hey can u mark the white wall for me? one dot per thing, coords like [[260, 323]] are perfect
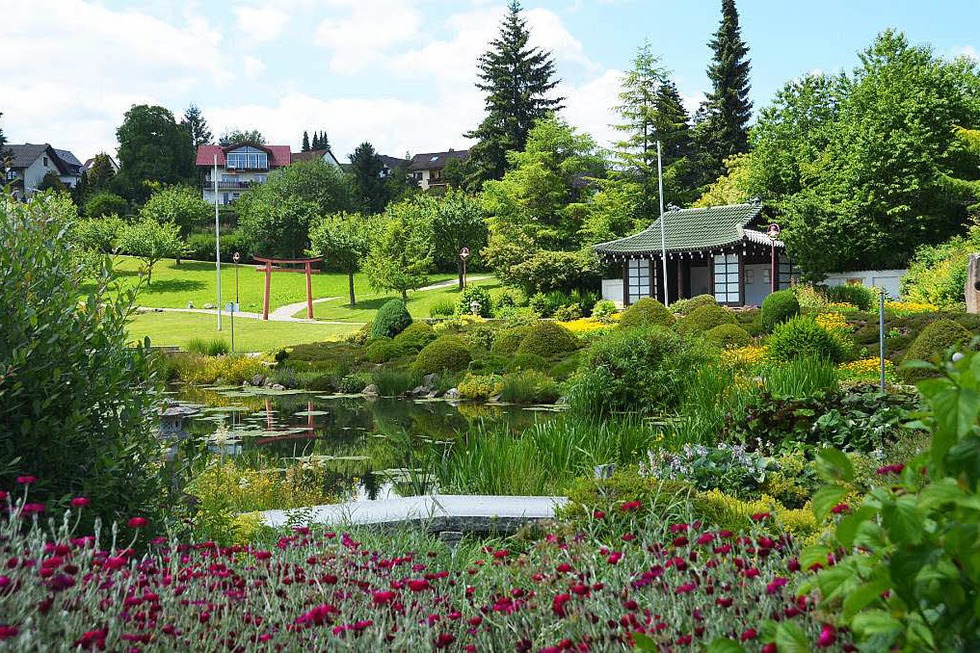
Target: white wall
[[612, 289], [890, 280], [758, 283]]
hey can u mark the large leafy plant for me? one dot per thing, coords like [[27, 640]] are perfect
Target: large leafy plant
[[910, 576]]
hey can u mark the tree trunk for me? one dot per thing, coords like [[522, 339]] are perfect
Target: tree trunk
[[404, 295], [459, 271], [350, 280]]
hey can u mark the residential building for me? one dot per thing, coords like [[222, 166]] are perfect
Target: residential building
[[324, 155], [239, 167], [391, 163], [427, 168], [29, 163], [731, 252], [90, 162]]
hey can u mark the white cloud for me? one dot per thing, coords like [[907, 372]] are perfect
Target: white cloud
[[253, 67], [261, 24], [366, 32], [590, 106], [968, 51], [71, 69]]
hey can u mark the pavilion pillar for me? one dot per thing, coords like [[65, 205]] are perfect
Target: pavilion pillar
[[626, 283], [268, 284], [682, 268], [741, 278]]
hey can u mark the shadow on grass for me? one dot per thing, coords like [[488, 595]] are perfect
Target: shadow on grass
[[173, 285]]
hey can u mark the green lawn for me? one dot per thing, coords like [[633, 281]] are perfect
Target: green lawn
[[419, 302], [177, 329], [194, 281]]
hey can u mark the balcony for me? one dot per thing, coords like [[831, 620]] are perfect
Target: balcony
[[228, 185]]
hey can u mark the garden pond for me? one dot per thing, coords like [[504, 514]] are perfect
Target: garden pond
[[369, 448]]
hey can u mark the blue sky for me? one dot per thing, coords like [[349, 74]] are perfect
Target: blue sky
[[398, 73]]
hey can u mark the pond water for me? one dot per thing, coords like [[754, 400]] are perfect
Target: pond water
[[371, 449]]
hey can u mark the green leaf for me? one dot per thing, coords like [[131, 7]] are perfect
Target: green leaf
[[825, 499], [875, 622], [834, 465], [724, 645], [643, 643], [848, 526], [790, 638], [902, 521], [816, 554], [941, 492], [863, 596]]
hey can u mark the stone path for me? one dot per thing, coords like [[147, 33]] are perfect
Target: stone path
[[438, 512]]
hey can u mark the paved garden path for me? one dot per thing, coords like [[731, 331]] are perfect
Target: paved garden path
[[439, 512]]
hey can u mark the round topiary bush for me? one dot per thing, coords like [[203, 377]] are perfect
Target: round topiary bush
[[478, 294], [802, 337], [729, 336], [705, 318], [646, 312], [527, 362], [508, 340], [447, 352], [686, 306], [779, 307], [547, 340], [930, 345], [391, 319], [853, 293], [415, 336], [381, 350]]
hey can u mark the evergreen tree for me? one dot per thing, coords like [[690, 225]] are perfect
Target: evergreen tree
[[4, 154], [153, 149], [369, 188], [198, 126], [672, 124], [306, 141], [517, 80], [723, 128]]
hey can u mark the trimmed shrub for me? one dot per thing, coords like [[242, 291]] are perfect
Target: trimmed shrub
[[471, 294], [646, 369], [931, 344], [853, 293], [729, 336], [646, 312], [529, 387], [527, 362], [603, 310], [482, 336], [415, 336], [508, 340], [391, 319], [705, 318], [685, 306], [509, 298], [802, 337], [480, 387], [568, 313], [547, 340], [381, 350], [447, 352], [492, 364], [779, 307]]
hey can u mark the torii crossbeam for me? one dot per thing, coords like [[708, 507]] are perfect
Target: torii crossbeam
[[268, 269]]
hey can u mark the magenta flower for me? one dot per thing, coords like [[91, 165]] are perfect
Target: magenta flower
[[629, 506], [383, 597], [558, 604], [7, 632], [761, 516], [840, 508], [79, 502], [26, 480], [615, 557], [32, 508], [775, 584], [749, 633], [138, 522], [3, 495], [419, 585], [685, 588], [262, 555], [827, 637]]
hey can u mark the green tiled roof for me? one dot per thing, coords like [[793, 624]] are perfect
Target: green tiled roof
[[691, 230]]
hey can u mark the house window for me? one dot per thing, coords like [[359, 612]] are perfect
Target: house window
[[45, 162], [726, 279], [247, 158], [639, 279]]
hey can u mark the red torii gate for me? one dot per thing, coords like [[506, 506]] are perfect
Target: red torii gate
[[307, 267]]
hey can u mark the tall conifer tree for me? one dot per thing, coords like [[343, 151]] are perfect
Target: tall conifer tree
[[198, 126], [306, 141], [723, 130], [517, 80]]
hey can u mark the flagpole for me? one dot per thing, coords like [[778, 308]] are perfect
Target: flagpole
[[217, 239], [663, 235]]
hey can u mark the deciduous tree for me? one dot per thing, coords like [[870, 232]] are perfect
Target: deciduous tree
[[181, 205], [153, 149], [238, 136], [401, 253], [343, 240], [151, 241]]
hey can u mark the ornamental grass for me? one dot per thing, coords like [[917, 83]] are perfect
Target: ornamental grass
[[676, 587]]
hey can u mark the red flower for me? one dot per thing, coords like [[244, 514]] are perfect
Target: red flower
[[93, 639], [419, 585], [114, 562], [748, 634], [827, 637], [770, 648], [138, 522], [262, 555], [615, 557], [500, 554], [628, 506], [706, 538], [3, 495], [444, 640], [6, 632], [32, 508], [558, 604], [564, 568], [760, 516], [598, 514], [891, 469], [79, 502], [383, 597], [775, 584], [685, 588], [317, 616], [26, 480], [839, 508], [723, 601], [628, 537]]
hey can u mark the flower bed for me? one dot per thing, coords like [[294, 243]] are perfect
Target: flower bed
[[685, 586]]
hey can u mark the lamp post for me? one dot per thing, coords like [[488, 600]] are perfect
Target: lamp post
[[463, 255], [773, 233], [236, 258], [217, 239]]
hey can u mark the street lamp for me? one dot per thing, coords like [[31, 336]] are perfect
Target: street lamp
[[236, 257], [773, 233]]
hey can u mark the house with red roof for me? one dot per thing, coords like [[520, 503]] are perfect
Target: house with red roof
[[238, 167]]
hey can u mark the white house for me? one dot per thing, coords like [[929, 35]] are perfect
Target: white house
[[29, 163], [427, 168], [239, 167]]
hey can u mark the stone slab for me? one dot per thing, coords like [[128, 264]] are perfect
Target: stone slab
[[437, 512]]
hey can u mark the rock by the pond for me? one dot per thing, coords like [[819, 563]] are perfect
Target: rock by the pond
[[278, 386], [258, 380], [371, 390], [430, 380], [419, 391], [451, 393]]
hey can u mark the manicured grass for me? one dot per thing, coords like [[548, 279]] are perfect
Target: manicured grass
[[174, 286], [177, 329], [368, 302]]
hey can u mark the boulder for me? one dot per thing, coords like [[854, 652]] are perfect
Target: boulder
[[370, 391], [258, 380], [419, 391], [278, 386], [451, 393], [430, 380]]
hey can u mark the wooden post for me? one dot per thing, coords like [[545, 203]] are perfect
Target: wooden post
[[741, 278], [626, 282], [309, 293], [268, 283]]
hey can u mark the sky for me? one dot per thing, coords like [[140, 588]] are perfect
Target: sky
[[399, 73]]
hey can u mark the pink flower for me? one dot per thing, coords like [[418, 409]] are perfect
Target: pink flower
[[32, 508], [827, 637], [79, 502], [775, 584], [383, 597], [6, 632], [26, 480], [138, 522], [748, 634], [629, 506], [760, 516], [840, 508], [615, 557], [558, 604]]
